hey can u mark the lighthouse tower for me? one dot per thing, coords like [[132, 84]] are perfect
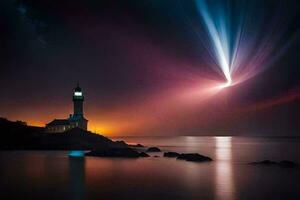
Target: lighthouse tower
[[78, 99], [77, 119]]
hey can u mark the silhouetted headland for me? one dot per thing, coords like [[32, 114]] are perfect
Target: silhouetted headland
[[19, 136]]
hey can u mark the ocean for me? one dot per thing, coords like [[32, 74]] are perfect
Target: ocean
[[53, 175]]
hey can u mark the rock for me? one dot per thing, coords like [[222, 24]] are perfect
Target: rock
[[153, 149], [143, 154], [264, 162], [136, 145], [287, 164], [283, 163], [171, 154], [195, 157], [156, 156], [115, 152], [121, 142]]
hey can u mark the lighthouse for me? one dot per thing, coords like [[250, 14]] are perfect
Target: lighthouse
[[78, 99], [76, 119]]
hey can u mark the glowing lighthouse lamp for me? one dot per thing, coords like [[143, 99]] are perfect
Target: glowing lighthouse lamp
[[78, 94]]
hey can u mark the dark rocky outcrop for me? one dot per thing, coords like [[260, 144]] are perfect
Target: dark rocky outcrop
[[120, 142], [136, 145], [153, 149], [195, 157], [283, 163], [171, 154], [264, 162], [287, 164], [19, 136], [117, 152]]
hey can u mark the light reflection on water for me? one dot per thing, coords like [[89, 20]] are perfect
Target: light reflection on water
[[223, 169], [60, 177], [76, 178]]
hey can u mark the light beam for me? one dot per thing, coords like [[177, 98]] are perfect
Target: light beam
[[218, 30], [234, 40]]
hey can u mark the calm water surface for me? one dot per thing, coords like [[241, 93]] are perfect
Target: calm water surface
[[52, 175]]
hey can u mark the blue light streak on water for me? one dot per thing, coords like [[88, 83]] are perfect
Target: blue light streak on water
[[76, 153]]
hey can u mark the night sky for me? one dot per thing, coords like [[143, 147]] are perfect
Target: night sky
[[145, 67]]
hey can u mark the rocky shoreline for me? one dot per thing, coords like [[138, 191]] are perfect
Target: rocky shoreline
[[19, 136], [131, 153]]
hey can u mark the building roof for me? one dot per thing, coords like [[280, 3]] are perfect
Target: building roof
[[59, 122], [73, 118]]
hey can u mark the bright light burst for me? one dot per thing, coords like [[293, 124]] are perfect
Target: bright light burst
[[218, 29], [234, 40]]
